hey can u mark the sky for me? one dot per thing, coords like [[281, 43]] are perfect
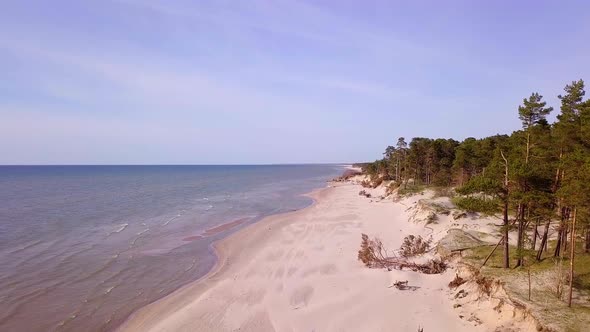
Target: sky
[[257, 82]]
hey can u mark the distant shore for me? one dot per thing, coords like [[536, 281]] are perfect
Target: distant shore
[[299, 271]]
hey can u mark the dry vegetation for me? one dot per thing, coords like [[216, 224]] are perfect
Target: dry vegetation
[[391, 188], [458, 281], [374, 255], [485, 284], [372, 184], [414, 245]]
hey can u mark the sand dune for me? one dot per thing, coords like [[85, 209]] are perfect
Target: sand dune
[[299, 272]]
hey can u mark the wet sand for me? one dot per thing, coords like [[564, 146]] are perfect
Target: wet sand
[[216, 230], [224, 227]]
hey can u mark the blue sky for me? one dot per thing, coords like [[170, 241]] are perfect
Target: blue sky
[[225, 82]]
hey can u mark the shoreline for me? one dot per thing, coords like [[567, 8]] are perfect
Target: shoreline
[[220, 249], [102, 265], [298, 271]]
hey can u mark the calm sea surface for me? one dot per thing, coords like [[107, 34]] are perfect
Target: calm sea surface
[[82, 247]]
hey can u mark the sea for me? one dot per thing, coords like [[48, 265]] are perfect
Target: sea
[[82, 247]]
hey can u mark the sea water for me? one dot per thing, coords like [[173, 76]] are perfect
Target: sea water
[[82, 247]]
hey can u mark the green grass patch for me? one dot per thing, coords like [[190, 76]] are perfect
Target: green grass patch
[[544, 305], [476, 256], [443, 191], [410, 189]]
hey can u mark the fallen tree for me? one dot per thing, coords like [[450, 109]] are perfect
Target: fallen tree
[[414, 245], [374, 255]]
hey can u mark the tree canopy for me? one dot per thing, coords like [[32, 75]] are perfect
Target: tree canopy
[[534, 176]]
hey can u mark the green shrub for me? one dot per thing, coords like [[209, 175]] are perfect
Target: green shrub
[[410, 190], [473, 204]]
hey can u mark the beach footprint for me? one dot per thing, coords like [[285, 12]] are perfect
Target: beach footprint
[[301, 296], [275, 255]]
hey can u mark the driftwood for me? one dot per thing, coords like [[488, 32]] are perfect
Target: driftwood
[[364, 193], [400, 284], [403, 285]]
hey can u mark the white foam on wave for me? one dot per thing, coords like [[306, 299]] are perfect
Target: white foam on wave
[[169, 220], [67, 320], [25, 247], [118, 230], [121, 228], [190, 267], [138, 237]]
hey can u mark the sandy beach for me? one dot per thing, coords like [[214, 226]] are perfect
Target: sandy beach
[[299, 272]]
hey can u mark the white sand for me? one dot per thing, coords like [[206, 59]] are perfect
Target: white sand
[[299, 272]]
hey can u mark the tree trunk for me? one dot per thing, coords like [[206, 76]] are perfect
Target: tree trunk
[[528, 144], [572, 252], [397, 169], [558, 243], [561, 233], [506, 242], [587, 245], [535, 234], [492, 252], [544, 239], [546, 247], [566, 231], [520, 239], [557, 174], [505, 212]]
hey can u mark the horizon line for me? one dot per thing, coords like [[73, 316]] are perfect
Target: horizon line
[[261, 164]]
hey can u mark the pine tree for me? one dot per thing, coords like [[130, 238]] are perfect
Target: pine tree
[[490, 193], [537, 175], [567, 131], [531, 113], [402, 146]]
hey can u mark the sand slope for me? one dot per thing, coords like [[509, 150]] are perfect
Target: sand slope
[[299, 272]]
